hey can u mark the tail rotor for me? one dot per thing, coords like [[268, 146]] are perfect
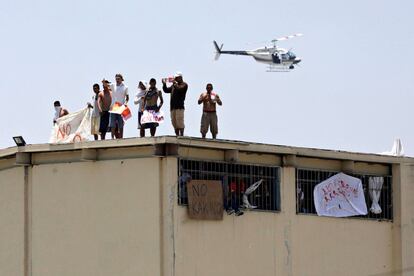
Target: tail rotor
[[218, 50]]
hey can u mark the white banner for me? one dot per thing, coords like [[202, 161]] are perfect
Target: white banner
[[150, 116], [340, 196], [74, 127]]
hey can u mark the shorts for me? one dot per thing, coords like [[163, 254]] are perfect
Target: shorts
[[139, 119], [115, 120], [177, 118], [209, 119], [95, 125], [103, 126]]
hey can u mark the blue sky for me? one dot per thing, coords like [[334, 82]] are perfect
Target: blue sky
[[353, 91]]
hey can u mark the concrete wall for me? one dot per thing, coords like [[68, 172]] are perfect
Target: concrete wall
[[96, 218], [407, 219], [12, 222]]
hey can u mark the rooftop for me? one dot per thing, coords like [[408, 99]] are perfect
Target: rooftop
[[185, 141]]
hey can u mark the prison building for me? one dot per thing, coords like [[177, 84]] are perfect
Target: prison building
[[121, 207]]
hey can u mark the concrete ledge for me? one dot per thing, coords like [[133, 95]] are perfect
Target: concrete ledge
[[166, 149], [231, 155], [89, 154], [23, 158], [348, 166], [289, 160]]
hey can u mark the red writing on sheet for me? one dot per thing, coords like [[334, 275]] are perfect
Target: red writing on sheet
[[77, 138], [63, 131], [338, 188]]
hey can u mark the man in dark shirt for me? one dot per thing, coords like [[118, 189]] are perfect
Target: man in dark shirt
[[178, 91]]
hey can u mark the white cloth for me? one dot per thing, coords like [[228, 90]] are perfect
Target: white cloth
[[139, 95], [95, 112], [57, 112], [150, 116], [74, 127], [340, 196], [119, 93], [397, 149], [251, 189], [375, 186]]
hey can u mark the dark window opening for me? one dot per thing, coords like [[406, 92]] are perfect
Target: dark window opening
[[307, 179], [236, 180]]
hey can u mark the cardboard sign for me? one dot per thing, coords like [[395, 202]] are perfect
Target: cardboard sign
[[205, 199]]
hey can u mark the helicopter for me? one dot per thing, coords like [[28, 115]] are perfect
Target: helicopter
[[278, 59]]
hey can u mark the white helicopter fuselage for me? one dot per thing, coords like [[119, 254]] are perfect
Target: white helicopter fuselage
[[267, 55], [274, 56]]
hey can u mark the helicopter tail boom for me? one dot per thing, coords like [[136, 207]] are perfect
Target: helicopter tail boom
[[219, 51]]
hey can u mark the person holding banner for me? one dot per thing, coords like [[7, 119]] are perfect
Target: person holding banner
[[119, 95], [139, 99], [209, 117], [150, 106], [104, 105], [59, 111]]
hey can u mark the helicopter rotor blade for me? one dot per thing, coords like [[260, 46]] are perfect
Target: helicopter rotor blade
[[286, 37]]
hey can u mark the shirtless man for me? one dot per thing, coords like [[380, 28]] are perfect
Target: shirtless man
[[104, 105], [60, 112], [150, 102], [209, 117]]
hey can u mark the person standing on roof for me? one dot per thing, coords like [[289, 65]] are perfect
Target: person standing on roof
[[138, 100], [178, 91], [104, 105], [119, 95], [150, 103], [209, 117], [96, 117]]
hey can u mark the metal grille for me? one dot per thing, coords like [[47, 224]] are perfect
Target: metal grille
[[307, 179], [236, 178]]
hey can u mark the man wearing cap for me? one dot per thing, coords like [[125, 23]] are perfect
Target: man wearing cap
[[209, 117], [178, 91], [104, 105], [120, 95]]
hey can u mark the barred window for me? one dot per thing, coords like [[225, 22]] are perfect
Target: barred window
[[307, 179], [237, 180]]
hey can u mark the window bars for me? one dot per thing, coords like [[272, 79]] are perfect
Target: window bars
[[307, 179], [238, 180]]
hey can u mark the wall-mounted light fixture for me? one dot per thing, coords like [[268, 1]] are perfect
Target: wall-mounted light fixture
[[20, 142]]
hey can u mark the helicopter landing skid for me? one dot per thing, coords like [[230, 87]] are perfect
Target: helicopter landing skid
[[273, 68]]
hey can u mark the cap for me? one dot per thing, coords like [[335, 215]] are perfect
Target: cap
[[106, 81], [178, 74]]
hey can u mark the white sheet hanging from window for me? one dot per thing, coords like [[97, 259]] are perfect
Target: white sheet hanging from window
[[251, 189], [340, 196], [375, 186]]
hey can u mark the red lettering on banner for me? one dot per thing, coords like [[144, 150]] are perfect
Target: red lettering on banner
[[63, 131], [77, 138], [339, 188]]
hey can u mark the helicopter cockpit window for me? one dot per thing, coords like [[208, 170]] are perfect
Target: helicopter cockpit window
[[292, 55], [285, 56]]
